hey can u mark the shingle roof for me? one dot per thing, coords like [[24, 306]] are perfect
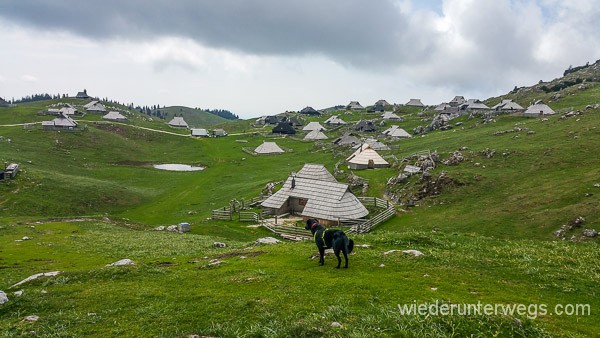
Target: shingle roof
[[415, 103], [178, 121], [315, 135], [316, 172], [508, 105], [325, 199], [364, 154], [199, 132], [94, 106], [396, 131], [334, 120], [346, 139], [313, 126], [61, 121], [114, 115], [268, 148], [539, 108], [390, 116], [354, 105]]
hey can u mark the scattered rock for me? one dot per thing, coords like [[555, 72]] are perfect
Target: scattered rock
[[433, 289], [173, 228], [32, 318], [389, 252], [362, 246], [36, 276], [336, 324], [382, 265], [415, 253], [3, 297], [18, 293], [25, 238], [122, 262], [597, 185], [160, 228], [267, 240], [576, 223], [455, 158], [219, 245], [589, 233], [214, 262]]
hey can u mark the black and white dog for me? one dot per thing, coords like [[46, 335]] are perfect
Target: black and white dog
[[327, 239]]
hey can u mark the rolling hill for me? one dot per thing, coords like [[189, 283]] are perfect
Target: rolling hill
[[485, 225]]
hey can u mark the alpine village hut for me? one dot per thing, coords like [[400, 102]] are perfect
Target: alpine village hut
[[178, 122], [508, 106], [539, 108], [268, 148], [335, 121], [310, 111], [375, 145], [67, 110], [284, 128], [457, 101], [62, 122], [114, 116], [474, 105], [414, 103], [83, 95], [199, 132], [354, 105], [95, 107], [315, 135], [366, 158], [396, 131], [313, 192], [313, 126], [365, 126], [388, 115], [346, 140]]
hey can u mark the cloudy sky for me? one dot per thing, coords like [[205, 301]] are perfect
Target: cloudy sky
[[257, 57]]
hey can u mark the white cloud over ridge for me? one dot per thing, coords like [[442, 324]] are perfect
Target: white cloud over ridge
[[267, 56]]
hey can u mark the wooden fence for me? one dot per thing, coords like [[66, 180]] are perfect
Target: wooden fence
[[248, 216], [222, 214]]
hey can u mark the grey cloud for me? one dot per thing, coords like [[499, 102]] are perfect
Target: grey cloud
[[350, 31]]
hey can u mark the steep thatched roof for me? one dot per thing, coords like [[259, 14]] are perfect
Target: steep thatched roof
[[364, 157], [335, 120], [178, 122], [415, 103], [268, 148], [284, 128], [315, 135], [365, 126], [508, 105], [396, 131], [114, 116], [310, 111], [322, 196], [354, 105], [346, 140], [388, 115], [539, 108], [313, 126]]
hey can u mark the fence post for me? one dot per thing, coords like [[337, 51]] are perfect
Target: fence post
[[275, 219], [375, 201]]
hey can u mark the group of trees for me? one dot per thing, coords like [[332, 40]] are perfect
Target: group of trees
[[226, 114], [39, 97]]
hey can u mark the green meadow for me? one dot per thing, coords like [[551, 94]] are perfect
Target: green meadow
[[89, 198]]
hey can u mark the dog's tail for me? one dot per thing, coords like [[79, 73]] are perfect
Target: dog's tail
[[350, 245]]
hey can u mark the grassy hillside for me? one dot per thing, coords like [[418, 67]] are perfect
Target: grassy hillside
[[486, 228], [195, 118]]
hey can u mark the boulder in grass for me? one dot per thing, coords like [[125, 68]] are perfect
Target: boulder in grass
[[3, 297], [415, 253], [122, 262], [267, 240]]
